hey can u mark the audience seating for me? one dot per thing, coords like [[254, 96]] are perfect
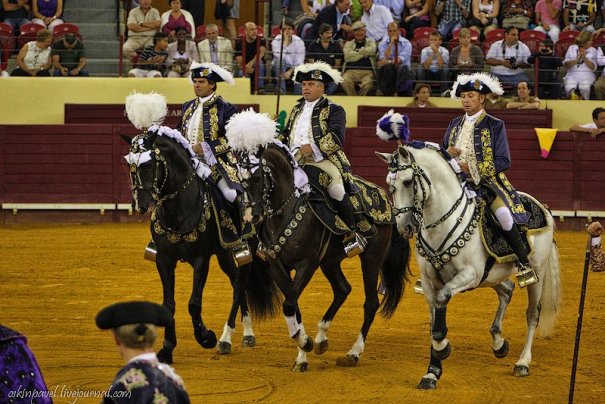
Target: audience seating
[[455, 42], [241, 31], [275, 31], [474, 34], [62, 30], [7, 44], [28, 33], [532, 39], [419, 41], [200, 33], [490, 38], [441, 117], [564, 42], [599, 40]]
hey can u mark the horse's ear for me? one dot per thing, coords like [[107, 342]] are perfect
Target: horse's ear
[[127, 139], [386, 157], [403, 152]]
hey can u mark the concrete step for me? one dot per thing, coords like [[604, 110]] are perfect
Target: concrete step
[[99, 31], [102, 67], [101, 49], [87, 4], [97, 15]]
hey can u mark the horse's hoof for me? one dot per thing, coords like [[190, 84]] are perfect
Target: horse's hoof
[[165, 355], [300, 367], [249, 341], [427, 383], [321, 347], [224, 348], [502, 352], [443, 354], [206, 338], [309, 344], [521, 371], [348, 361]]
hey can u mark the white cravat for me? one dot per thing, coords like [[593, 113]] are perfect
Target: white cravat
[[466, 143], [302, 127], [196, 120]]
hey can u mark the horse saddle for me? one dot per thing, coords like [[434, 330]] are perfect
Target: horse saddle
[[370, 203], [491, 232]]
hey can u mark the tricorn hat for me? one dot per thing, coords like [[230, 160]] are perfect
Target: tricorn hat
[[135, 312], [318, 71], [483, 83], [211, 71]]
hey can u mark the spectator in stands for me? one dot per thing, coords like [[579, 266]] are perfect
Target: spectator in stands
[[508, 57], [20, 370], [376, 19], [325, 49], [394, 63], [228, 14], [47, 13], [255, 45], [143, 23], [216, 49], [517, 13], [581, 63], [69, 57], [466, 57], [599, 85], [596, 127], [143, 379], [547, 18], [293, 55], [417, 14], [485, 16], [422, 93], [152, 61], [176, 17], [434, 61], [523, 100], [181, 54], [597, 256], [394, 6], [360, 62], [197, 10], [579, 15], [549, 86], [34, 57], [337, 15], [452, 15], [311, 8], [495, 101], [16, 12]]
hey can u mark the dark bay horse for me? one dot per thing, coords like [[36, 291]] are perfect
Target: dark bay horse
[[296, 240], [184, 227]]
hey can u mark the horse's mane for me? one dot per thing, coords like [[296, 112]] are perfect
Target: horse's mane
[[420, 149]]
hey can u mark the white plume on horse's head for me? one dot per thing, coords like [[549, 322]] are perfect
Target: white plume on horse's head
[[249, 130], [393, 126], [145, 110]]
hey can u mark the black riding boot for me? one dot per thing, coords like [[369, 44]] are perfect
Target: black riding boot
[[353, 241], [525, 274]]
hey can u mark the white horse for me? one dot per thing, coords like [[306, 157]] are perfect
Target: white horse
[[430, 201]]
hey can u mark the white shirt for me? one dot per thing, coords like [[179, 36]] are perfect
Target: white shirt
[[303, 133], [465, 142], [196, 121], [499, 50], [377, 21]]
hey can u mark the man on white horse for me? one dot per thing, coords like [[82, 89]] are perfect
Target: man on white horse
[[315, 132], [479, 143]]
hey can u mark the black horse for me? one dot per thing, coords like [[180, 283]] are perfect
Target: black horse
[[295, 239], [184, 227]]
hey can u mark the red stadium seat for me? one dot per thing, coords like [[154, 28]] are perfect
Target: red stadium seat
[[562, 45], [571, 34], [495, 34], [599, 40], [67, 28], [423, 32], [28, 33], [275, 31], [532, 39], [241, 31], [7, 44]]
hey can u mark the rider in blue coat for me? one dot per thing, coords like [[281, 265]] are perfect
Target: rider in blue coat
[[479, 143]]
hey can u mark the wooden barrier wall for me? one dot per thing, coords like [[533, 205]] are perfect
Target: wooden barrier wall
[[76, 163]]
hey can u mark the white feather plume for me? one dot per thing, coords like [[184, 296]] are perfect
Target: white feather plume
[[249, 130], [323, 66], [224, 73], [145, 110]]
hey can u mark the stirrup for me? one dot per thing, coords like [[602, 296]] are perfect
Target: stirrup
[[261, 251], [150, 251], [354, 243], [242, 254], [418, 287], [526, 276]]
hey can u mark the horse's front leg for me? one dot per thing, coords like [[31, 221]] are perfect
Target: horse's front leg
[[532, 314], [505, 294], [165, 267], [204, 336], [466, 278]]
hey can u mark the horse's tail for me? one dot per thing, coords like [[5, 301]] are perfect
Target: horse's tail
[[551, 299], [395, 272], [262, 294]]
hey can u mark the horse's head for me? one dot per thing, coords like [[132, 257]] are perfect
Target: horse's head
[[140, 159], [409, 186], [267, 179]]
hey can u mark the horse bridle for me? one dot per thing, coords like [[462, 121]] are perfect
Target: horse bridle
[[419, 179]]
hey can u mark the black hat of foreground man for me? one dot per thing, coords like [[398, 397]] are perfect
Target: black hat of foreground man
[[135, 312]]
